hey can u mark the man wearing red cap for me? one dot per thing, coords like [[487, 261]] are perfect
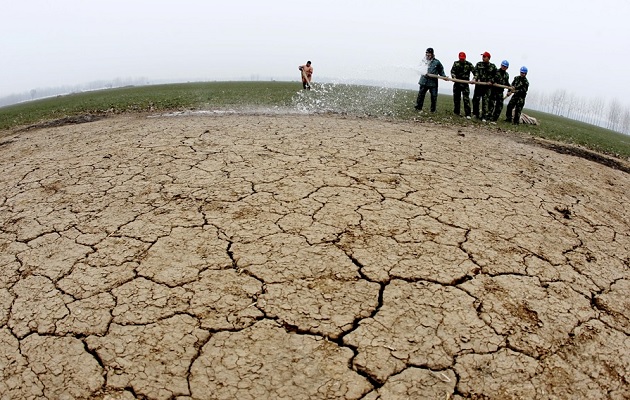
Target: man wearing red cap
[[484, 71], [461, 69]]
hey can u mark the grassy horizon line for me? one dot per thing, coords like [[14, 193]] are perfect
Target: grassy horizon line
[[341, 98]]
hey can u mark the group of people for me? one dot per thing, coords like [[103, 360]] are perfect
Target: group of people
[[488, 95]]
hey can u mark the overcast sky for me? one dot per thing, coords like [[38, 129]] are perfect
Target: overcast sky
[[577, 45]]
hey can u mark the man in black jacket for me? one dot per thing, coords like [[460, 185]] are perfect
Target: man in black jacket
[[435, 67]]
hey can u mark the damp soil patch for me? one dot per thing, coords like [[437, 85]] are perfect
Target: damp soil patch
[[70, 120], [5, 142], [586, 154]]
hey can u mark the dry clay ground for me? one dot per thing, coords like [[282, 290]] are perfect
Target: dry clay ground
[[308, 257]]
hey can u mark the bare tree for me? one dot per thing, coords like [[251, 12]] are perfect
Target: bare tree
[[558, 101], [546, 101], [625, 122], [592, 111], [581, 109], [598, 111], [572, 101], [614, 115]]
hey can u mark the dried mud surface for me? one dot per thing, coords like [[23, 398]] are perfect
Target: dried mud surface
[[308, 257]]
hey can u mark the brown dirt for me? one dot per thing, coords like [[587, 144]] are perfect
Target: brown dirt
[[308, 257]]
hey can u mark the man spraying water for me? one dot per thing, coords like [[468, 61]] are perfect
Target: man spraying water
[[427, 83]]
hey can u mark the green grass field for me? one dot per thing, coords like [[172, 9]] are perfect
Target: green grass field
[[345, 99]]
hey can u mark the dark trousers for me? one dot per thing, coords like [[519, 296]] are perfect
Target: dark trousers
[[461, 90], [433, 90], [515, 105], [496, 105], [480, 95]]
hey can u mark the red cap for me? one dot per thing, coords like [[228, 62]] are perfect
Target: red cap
[[462, 55], [486, 54]]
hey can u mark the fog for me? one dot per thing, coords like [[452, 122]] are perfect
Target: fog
[[576, 46]]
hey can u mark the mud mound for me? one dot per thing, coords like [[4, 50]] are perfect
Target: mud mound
[[587, 154], [311, 257], [70, 120]]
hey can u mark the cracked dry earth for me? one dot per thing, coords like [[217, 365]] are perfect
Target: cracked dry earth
[[308, 257]]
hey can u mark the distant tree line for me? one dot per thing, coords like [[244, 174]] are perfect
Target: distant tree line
[[610, 114], [40, 93]]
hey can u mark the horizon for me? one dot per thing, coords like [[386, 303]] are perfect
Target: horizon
[[73, 43], [594, 112]]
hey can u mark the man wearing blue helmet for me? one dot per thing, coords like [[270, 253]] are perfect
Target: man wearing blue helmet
[[495, 105], [520, 85]]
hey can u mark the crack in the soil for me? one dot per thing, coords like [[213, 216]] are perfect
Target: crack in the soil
[[391, 181]]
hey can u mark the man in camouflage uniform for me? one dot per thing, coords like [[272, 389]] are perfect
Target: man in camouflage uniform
[[461, 69], [435, 67], [496, 93], [520, 85], [484, 72]]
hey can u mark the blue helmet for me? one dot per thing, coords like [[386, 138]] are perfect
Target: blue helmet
[[523, 70], [505, 63]]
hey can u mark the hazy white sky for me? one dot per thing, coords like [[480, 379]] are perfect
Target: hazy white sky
[[577, 45]]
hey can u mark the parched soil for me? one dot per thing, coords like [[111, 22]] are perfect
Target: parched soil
[[308, 257]]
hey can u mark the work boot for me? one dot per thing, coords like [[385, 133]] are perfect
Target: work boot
[[508, 120]]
